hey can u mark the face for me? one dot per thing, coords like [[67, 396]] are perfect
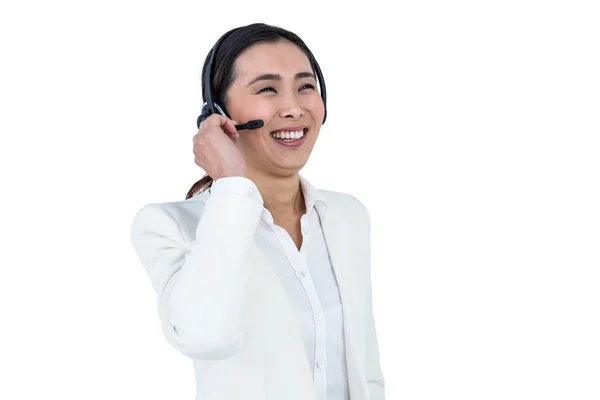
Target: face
[[274, 82]]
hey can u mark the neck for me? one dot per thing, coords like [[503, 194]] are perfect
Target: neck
[[282, 195]]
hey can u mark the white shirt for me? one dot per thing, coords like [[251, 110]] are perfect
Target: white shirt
[[309, 281]]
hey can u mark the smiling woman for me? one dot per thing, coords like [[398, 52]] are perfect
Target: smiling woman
[[261, 278]]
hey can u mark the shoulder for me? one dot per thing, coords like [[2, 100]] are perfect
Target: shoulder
[[167, 219]]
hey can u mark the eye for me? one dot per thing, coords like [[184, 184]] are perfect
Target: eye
[[308, 86], [267, 89]]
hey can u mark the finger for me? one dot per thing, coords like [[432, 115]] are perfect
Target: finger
[[227, 125], [229, 129], [216, 120]]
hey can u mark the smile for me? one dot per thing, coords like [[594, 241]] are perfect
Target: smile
[[290, 138]]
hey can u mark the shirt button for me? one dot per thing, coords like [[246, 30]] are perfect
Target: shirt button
[[318, 316], [305, 229], [300, 274], [320, 364]]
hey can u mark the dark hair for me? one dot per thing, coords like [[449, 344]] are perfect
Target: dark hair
[[223, 74]]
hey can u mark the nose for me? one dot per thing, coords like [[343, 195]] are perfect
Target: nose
[[290, 107]]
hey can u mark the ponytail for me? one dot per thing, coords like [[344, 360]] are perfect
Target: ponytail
[[200, 186]]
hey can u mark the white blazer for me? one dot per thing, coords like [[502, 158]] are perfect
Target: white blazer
[[265, 359]]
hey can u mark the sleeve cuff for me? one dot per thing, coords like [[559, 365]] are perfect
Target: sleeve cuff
[[237, 185]]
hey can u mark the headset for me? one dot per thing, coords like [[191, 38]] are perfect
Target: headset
[[209, 107]]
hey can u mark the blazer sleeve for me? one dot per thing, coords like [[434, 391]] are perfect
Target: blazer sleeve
[[200, 284], [375, 379]]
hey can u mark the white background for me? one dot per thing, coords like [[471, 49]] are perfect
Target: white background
[[469, 128]]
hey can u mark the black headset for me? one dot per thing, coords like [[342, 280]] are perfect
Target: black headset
[[209, 107]]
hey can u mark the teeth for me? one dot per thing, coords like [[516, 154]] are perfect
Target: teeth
[[289, 135]]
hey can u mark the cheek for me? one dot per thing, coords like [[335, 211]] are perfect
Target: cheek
[[253, 141], [314, 104], [256, 108]]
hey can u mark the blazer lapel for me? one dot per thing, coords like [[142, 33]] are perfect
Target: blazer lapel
[[337, 234]]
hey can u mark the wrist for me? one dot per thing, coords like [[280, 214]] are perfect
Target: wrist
[[235, 172]]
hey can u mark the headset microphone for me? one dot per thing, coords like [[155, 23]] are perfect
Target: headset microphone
[[254, 124]]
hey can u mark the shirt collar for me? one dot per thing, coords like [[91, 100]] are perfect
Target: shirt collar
[[313, 197]]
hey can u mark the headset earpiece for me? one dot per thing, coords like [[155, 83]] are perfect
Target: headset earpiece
[[205, 113], [201, 118]]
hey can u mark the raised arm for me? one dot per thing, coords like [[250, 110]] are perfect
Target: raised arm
[[200, 283]]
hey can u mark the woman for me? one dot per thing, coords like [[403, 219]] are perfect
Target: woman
[[262, 279]]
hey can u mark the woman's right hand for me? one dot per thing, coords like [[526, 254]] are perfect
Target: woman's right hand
[[215, 148]]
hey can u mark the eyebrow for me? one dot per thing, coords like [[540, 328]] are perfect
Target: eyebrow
[[277, 77]]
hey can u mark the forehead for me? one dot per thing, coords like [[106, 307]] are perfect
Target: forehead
[[283, 58]]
